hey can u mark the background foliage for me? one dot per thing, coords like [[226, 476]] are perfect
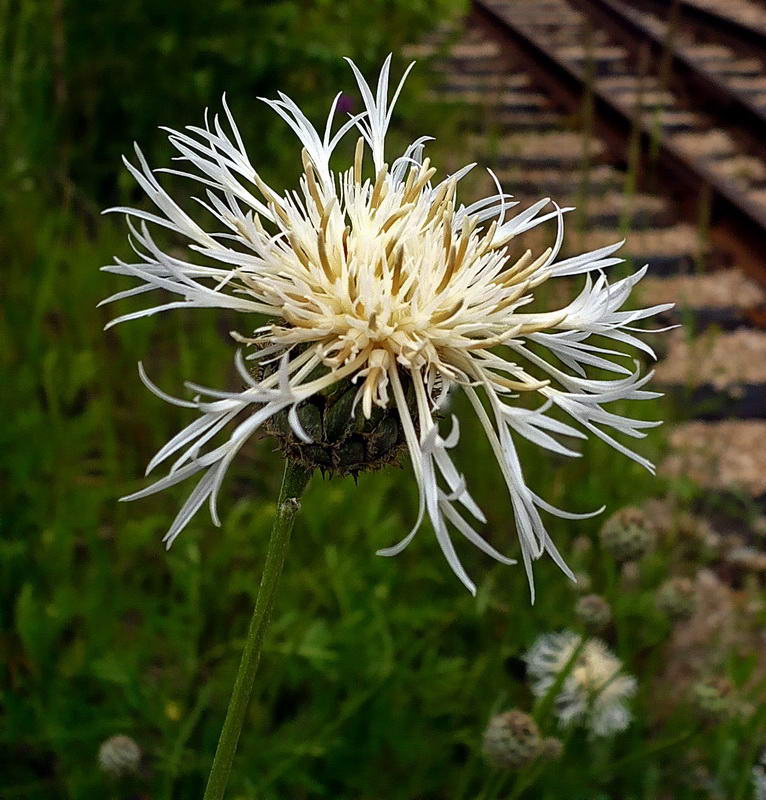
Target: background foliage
[[379, 675]]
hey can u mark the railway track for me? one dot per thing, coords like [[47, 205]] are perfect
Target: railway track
[[630, 102], [654, 128], [737, 23]]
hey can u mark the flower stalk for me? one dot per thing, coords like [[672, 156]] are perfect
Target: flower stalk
[[294, 481]]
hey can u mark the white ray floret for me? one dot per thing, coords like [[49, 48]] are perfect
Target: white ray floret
[[381, 277]]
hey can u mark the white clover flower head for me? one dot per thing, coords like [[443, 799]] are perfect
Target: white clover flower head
[[595, 692], [379, 278]]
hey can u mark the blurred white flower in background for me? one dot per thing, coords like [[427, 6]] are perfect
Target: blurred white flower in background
[[595, 692], [759, 778], [377, 279], [119, 756]]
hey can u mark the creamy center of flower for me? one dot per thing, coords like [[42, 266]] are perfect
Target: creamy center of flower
[[390, 271]]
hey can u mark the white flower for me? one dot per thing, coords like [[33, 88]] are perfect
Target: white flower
[[759, 778], [382, 277], [119, 755], [594, 693]]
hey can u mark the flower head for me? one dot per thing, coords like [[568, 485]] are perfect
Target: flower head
[[628, 534], [594, 693], [594, 612], [676, 598], [377, 279], [511, 740], [759, 778], [119, 755]]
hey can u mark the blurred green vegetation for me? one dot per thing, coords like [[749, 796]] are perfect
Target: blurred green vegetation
[[379, 675], [83, 80]]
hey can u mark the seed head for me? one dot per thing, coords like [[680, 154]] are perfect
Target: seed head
[[511, 740], [676, 598], [594, 612], [628, 535]]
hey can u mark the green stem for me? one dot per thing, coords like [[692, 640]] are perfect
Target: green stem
[[294, 482]]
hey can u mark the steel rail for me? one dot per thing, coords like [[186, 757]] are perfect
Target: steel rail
[[713, 23], [705, 86], [737, 224]]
